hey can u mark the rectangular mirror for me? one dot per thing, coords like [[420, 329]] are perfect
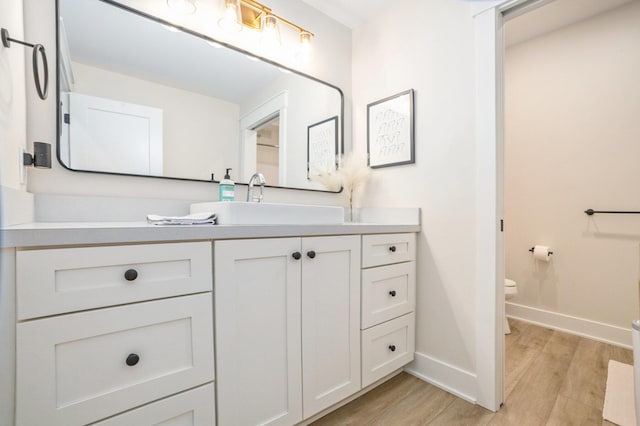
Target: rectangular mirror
[[139, 96]]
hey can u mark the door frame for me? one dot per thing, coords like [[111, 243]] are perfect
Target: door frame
[[490, 265], [272, 107]]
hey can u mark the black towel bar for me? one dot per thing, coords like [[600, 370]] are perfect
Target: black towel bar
[[591, 212]]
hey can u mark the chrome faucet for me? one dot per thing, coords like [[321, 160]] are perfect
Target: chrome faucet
[[259, 177]]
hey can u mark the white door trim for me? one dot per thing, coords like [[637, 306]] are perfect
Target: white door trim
[[489, 353], [276, 105], [489, 199]]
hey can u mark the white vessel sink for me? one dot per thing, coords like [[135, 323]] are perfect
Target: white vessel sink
[[243, 213]]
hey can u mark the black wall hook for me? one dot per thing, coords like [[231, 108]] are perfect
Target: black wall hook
[[38, 49]]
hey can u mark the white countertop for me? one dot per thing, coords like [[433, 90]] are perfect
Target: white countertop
[[80, 233]]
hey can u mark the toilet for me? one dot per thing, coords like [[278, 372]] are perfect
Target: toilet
[[510, 290]]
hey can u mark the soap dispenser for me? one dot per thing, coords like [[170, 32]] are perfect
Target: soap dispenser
[[226, 188]]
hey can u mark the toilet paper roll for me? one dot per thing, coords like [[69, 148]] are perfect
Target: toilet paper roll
[[541, 253]]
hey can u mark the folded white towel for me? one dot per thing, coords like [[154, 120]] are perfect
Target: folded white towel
[[192, 219]]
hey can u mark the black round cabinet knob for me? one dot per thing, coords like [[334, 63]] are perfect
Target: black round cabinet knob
[[392, 348], [392, 293], [296, 255], [130, 274], [392, 249], [311, 254], [132, 360]]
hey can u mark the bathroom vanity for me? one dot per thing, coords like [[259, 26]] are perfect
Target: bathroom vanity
[[128, 323]]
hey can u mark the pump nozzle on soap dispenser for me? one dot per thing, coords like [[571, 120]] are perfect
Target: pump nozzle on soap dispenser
[[227, 188]]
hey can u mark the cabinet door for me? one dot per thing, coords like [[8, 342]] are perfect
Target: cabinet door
[[330, 320], [257, 309]]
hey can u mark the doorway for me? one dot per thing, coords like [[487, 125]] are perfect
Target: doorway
[[264, 140], [268, 150], [490, 25], [570, 144]]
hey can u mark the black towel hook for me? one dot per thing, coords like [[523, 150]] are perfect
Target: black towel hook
[[38, 49]]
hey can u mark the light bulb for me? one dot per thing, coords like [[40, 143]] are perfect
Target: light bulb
[[304, 49], [270, 40], [231, 19], [305, 39]]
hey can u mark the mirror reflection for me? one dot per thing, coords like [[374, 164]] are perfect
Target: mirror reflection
[[140, 97]]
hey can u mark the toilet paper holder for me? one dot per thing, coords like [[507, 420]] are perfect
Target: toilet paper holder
[[532, 248]]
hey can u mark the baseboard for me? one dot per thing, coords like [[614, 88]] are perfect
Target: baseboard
[[445, 376], [16, 207], [602, 332]]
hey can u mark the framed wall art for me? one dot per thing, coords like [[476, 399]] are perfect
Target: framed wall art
[[322, 146], [390, 139]]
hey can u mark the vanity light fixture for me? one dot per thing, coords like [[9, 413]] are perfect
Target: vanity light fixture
[[305, 45], [270, 39], [231, 20], [255, 15], [305, 38], [185, 7]]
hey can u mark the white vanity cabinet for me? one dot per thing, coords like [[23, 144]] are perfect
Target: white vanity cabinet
[[388, 304], [287, 327], [239, 326], [114, 328]]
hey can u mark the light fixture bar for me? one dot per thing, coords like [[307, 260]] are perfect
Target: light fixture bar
[[256, 10]]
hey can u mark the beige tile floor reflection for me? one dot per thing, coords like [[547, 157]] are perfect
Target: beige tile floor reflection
[[551, 378]]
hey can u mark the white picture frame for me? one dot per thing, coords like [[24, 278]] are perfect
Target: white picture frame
[[322, 147]]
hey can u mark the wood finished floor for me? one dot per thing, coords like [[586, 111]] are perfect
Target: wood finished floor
[[551, 378]]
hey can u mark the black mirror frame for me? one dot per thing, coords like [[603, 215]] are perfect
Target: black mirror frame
[[204, 37]]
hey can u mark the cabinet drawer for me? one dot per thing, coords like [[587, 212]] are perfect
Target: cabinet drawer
[[78, 368], [192, 408], [384, 249], [55, 281], [387, 347], [387, 292]]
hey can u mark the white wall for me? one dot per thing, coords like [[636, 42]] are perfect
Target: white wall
[[330, 61], [16, 205], [429, 46], [572, 143], [12, 138], [12, 95], [197, 129]]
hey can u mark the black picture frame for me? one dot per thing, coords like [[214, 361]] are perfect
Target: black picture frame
[[322, 146], [390, 131]]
